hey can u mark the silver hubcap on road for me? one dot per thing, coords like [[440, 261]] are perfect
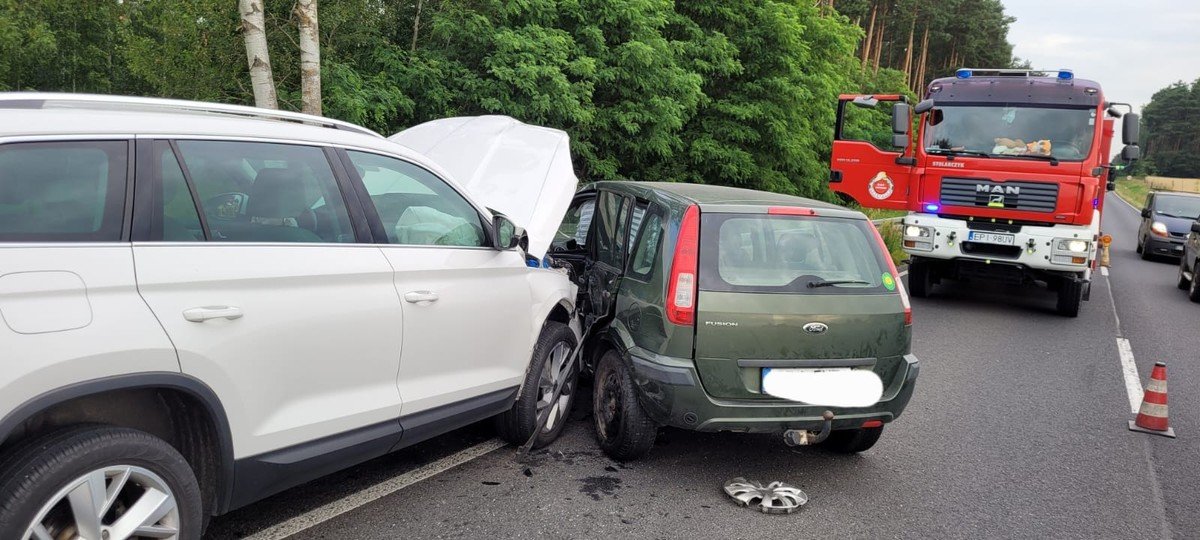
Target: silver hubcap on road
[[113, 503], [554, 376]]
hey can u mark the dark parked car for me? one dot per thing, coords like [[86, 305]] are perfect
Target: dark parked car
[[722, 309], [1166, 221], [1189, 263]]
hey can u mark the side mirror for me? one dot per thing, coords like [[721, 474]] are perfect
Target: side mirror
[[1131, 128], [924, 106], [1196, 226], [1145, 212], [1131, 153], [901, 123], [868, 102], [506, 235]]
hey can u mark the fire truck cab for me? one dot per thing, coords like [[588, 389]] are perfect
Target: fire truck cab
[[1004, 180]]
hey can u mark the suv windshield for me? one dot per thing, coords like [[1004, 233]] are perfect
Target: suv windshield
[[1178, 207], [994, 130], [790, 254]]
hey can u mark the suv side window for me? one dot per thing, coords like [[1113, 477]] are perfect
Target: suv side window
[[180, 218], [265, 192], [645, 253], [69, 191], [612, 228], [415, 206]]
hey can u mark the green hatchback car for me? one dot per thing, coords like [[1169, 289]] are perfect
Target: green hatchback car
[[722, 309]]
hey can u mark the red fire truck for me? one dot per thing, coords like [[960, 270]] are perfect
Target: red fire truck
[[1004, 181]]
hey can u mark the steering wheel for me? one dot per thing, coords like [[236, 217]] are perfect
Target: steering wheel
[[227, 206]]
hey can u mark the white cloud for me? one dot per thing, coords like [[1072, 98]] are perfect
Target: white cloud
[[1132, 49]]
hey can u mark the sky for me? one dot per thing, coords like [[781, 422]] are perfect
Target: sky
[[1132, 49]]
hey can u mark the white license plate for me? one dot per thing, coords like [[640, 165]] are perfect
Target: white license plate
[[834, 387], [992, 238]]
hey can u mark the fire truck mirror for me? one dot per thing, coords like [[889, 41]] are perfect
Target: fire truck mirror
[[1131, 153], [924, 106], [901, 118], [1130, 129]]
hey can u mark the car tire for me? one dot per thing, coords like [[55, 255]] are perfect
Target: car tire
[[1070, 297], [1194, 286], [1146, 252], [1140, 246], [623, 429], [852, 441], [37, 476], [551, 360], [1183, 280], [920, 279]]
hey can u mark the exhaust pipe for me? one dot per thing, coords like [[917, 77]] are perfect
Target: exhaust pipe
[[804, 437]]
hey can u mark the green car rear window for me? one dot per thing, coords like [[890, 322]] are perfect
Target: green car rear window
[[791, 254]]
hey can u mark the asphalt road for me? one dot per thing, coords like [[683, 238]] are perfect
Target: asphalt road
[[1017, 429]]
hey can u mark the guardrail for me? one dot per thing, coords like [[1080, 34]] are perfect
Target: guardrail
[[886, 220]]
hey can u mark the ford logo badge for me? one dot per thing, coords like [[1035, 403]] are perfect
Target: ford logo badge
[[815, 328]]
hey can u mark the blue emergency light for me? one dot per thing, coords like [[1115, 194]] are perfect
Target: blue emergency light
[[931, 208], [1065, 75], [963, 74]]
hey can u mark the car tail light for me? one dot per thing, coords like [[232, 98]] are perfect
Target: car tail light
[[872, 424], [790, 211], [681, 289], [896, 275]]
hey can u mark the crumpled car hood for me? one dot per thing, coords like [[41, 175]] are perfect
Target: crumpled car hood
[[517, 169]]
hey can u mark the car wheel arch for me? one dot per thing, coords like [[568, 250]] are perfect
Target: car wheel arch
[[183, 397]]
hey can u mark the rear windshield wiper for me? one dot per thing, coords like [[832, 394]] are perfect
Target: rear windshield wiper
[[949, 152], [827, 283]]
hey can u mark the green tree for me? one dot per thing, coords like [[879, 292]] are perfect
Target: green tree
[[1171, 131]]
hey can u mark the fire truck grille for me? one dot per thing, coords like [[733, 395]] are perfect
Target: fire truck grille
[[1012, 195]]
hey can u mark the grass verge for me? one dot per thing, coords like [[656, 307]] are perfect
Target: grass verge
[[1133, 190]]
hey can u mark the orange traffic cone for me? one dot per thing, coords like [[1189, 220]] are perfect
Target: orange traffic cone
[[1152, 417]]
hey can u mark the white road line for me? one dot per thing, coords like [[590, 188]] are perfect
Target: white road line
[[336, 508], [1133, 384], [1104, 271]]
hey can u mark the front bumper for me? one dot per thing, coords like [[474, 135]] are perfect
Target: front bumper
[[1166, 247], [672, 395], [1034, 246]]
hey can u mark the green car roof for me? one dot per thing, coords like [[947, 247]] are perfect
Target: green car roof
[[722, 198]]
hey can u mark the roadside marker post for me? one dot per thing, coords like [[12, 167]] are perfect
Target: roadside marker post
[[1105, 241], [1152, 416]]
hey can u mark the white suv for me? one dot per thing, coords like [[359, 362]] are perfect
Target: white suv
[[203, 305]]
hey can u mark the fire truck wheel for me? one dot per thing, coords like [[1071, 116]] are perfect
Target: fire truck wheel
[[1070, 297], [920, 279]]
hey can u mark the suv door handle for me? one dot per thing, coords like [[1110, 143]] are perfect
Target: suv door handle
[[422, 298], [201, 314]]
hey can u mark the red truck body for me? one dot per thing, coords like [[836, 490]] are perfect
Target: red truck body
[[914, 179]]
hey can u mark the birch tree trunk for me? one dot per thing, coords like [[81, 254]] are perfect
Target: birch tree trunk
[[310, 57], [254, 32]]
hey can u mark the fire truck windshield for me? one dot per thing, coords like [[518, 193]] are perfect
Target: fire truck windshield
[[994, 130]]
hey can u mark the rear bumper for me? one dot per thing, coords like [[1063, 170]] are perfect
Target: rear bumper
[[672, 395]]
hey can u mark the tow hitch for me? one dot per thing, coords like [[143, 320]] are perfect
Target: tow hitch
[[804, 437]]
